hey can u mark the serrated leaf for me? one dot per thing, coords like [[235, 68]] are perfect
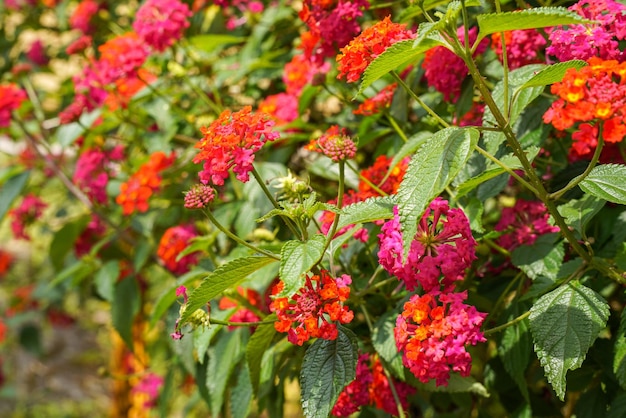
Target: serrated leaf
[[538, 17], [578, 213], [394, 57], [606, 181], [241, 395], [125, 305], [199, 243], [431, 170], [106, 278], [224, 277], [369, 210], [515, 347], [384, 342], [11, 189], [619, 360], [411, 12], [542, 259], [222, 360], [296, 259], [256, 348], [408, 148], [552, 73], [456, 384], [564, 324], [327, 368]]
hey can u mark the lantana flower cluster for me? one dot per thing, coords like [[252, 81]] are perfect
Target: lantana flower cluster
[[172, 243], [371, 387], [135, 192], [523, 224], [29, 210], [11, 98], [335, 143], [595, 93], [314, 310], [523, 47], [230, 143], [93, 170], [373, 41], [379, 102], [161, 22]]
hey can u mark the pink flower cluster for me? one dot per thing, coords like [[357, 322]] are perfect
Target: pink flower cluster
[[371, 387], [442, 246], [432, 333], [199, 196], [523, 47], [230, 142], [93, 169], [445, 71], [25, 214], [523, 223], [161, 22], [83, 13], [335, 144], [11, 97], [149, 385], [591, 40], [283, 107]]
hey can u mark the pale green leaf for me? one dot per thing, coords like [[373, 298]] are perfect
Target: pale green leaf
[[579, 212], [223, 358], [256, 348], [242, 395], [456, 384], [328, 367], [106, 278], [369, 210], [538, 17], [168, 297], [211, 41], [431, 170], [384, 342], [564, 324], [296, 259], [552, 73], [606, 181], [542, 259], [224, 277], [619, 359]]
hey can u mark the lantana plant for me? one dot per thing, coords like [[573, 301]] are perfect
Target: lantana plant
[[407, 208]]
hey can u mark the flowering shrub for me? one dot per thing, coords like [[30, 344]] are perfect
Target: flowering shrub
[[379, 209]]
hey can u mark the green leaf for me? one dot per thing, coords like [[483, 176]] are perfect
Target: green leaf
[[211, 41], [411, 12], [564, 324], [396, 56], [327, 368], [106, 278], [224, 277], [619, 360], [257, 346], [578, 213], [384, 342], [67, 134], [430, 171], [456, 384], [168, 297], [296, 259], [538, 17], [222, 360], [542, 259], [606, 181], [618, 406], [552, 73], [369, 210], [408, 148], [515, 347], [125, 305], [199, 243], [10, 190], [241, 395], [64, 239]]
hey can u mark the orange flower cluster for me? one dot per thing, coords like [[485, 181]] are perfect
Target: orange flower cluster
[[314, 309], [380, 101], [5, 262], [172, 243], [595, 93], [135, 192], [373, 41]]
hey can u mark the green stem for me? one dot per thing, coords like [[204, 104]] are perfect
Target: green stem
[[366, 180], [508, 324], [237, 239], [396, 398], [505, 64], [419, 101], [340, 193], [506, 168], [576, 180], [395, 126], [240, 324]]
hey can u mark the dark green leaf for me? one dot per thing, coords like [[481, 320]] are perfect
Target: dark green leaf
[[606, 181], [618, 406], [296, 259], [328, 367], [224, 277], [10, 190], [126, 303], [64, 240], [106, 278], [543, 258], [431, 170], [564, 324], [538, 17], [257, 346], [515, 347], [619, 360]]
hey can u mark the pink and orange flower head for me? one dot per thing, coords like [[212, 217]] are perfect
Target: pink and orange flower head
[[172, 243], [29, 210], [335, 144], [160, 23]]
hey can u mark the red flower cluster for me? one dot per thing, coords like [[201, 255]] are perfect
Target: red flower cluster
[[25, 214], [335, 144], [432, 333], [6, 258], [11, 97], [314, 309], [161, 22], [373, 41], [376, 104], [371, 387], [595, 93], [523, 223], [443, 246], [173, 242], [136, 191], [83, 13], [230, 142]]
